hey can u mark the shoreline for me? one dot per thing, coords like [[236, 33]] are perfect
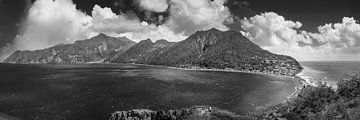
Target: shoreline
[[211, 70], [303, 80], [306, 80]]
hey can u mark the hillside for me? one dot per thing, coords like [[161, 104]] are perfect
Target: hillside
[[94, 49], [212, 49]]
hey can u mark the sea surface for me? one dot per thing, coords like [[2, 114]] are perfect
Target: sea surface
[[94, 91], [329, 72]]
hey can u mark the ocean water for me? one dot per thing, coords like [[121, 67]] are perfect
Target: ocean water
[[94, 91], [329, 72]]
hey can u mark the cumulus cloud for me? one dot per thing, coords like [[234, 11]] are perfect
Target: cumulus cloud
[[104, 20], [154, 5], [273, 32], [188, 16], [49, 23], [340, 35], [271, 25], [52, 22]]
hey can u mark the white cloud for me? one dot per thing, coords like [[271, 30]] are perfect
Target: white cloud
[[340, 35], [154, 5], [339, 41], [49, 23], [188, 16], [269, 29], [104, 20], [156, 33], [52, 22]]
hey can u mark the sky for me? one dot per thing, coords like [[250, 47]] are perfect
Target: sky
[[308, 30]]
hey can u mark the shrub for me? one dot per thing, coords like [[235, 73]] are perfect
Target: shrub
[[349, 88], [310, 101]]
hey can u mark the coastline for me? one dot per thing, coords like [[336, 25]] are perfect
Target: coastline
[[214, 70], [304, 82], [302, 79]]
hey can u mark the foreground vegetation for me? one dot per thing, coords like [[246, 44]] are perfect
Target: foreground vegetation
[[193, 113], [320, 103]]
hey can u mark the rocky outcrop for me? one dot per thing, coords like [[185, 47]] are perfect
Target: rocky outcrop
[[95, 49]]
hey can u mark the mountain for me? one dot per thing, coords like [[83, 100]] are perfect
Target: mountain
[[94, 49], [212, 49]]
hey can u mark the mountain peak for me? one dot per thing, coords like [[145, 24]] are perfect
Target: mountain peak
[[101, 35], [146, 41], [162, 41], [214, 30], [125, 39], [122, 38]]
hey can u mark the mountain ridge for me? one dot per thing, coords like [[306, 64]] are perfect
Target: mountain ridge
[[89, 50], [209, 49], [214, 49]]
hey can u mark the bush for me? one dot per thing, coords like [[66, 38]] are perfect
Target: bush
[[334, 111], [321, 103], [349, 88], [310, 101]]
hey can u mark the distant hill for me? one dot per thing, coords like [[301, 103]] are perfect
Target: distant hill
[[94, 49], [212, 49]]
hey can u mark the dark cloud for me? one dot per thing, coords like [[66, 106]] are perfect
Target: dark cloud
[[239, 9], [12, 12], [124, 7]]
